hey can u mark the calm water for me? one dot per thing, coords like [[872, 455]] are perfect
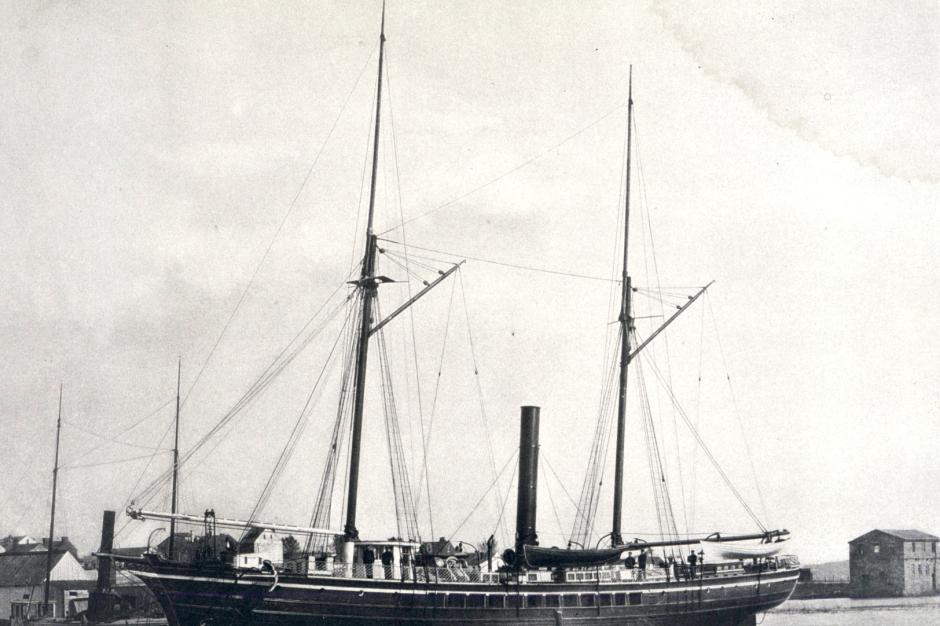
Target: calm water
[[845, 612]]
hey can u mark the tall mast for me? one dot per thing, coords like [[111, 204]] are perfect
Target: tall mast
[[176, 459], [626, 325], [368, 288], [55, 477]]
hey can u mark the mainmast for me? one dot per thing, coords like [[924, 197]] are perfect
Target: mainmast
[[368, 287], [176, 460], [626, 326], [55, 477]]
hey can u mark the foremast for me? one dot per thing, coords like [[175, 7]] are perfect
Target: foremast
[[626, 326], [368, 288]]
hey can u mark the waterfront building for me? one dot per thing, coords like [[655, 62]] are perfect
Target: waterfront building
[[257, 546], [23, 576], [893, 563]]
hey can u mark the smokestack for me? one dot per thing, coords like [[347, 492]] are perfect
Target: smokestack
[[528, 481], [107, 542]]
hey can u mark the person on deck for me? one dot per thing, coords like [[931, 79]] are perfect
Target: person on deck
[[368, 558], [642, 564], [693, 558], [387, 559]]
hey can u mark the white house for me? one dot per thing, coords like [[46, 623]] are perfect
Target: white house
[[258, 546]]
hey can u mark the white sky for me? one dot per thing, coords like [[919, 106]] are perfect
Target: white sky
[[788, 150]]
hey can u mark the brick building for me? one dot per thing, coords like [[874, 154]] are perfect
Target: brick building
[[893, 563]]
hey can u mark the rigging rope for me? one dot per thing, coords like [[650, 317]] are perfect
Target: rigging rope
[[320, 518], [296, 433], [658, 479], [645, 205], [277, 232], [510, 171], [425, 476], [505, 264], [586, 509], [737, 412], [705, 449], [405, 513], [480, 397], [290, 351], [485, 493]]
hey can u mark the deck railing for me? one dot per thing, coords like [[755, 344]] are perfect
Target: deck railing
[[469, 574]]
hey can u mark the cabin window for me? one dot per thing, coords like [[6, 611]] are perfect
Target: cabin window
[[476, 600], [533, 578], [605, 599], [636, 598], [456, 600], [570, 599], [513, 602], [620, 599], [535, 602], [580, 576], [587, 599], [552, 601], [494, 601]]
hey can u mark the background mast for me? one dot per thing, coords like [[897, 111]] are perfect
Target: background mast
[[176, 460], [55, 476]]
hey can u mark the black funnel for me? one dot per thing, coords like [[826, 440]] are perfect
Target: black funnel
[[528, 480]]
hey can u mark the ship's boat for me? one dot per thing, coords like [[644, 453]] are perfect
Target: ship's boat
[[340, 577]]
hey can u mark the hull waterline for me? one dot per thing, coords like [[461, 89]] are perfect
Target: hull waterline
[[192, 595]]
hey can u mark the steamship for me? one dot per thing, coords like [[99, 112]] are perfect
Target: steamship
[[343, 578]]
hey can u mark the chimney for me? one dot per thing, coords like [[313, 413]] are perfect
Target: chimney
[[105, 575], [528, 481]]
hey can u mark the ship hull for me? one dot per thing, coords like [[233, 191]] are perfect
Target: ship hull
[[192, 595]]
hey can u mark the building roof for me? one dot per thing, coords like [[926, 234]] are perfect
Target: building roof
[[903, 534], [25, 568]]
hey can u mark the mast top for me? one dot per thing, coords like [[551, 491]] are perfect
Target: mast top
[[382, 34], [630, 87]]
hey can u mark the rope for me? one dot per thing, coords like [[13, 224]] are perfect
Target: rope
[[649, 229], [508, 172], [499, 520], [405, 512], [425, 477], [280, 227], [300, 425], [517, 266], [133, 490], [114, 462], [320, 518], [480, 397], [705, 449], [477, 505], [551, 498], [106, 438], [280, 362], [543, 457], [737, 413]]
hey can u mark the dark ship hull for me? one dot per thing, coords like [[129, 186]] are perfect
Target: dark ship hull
[[194, 594]]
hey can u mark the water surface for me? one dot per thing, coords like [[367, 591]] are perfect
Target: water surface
[[846, 612]]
